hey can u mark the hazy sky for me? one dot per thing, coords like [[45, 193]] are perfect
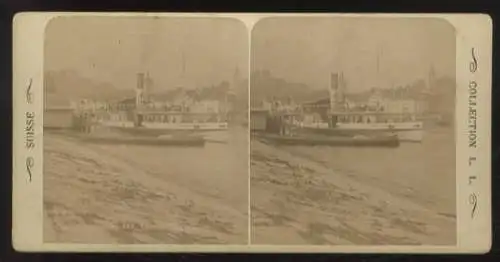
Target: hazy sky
[[307, 49], [115, 49]]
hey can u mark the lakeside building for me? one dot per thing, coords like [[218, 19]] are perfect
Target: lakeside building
[[58, 112], [178, 107]]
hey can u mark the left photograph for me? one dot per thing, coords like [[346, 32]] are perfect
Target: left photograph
[[146, 135]]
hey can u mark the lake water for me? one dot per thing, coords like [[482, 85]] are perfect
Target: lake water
[[423, 171], [348, 195], [217, 169], [216, 178], [170, 194]]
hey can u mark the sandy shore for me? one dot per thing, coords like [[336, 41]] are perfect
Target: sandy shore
[[299, 201], [96, 195]]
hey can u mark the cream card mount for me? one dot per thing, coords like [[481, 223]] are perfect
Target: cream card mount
[[151, 132]]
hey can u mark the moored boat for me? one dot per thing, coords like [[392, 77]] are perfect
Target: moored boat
[[158, 123], [169, 129], [320, 140], [107, 136], [368, 123], [375, 114], [149, 141]]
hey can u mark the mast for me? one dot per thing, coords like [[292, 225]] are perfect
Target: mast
[[232, 88], [378, 79], [342, 84], [182, 82], [377, 76], [139, 92], [431, 78], [182, 75], [333, 87], [183, 64], [182, 52], [144, 80]]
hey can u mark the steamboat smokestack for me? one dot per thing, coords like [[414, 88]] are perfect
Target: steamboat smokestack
[[139, 89], [334, 86]]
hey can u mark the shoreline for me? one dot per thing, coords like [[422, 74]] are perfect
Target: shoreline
[[124, 200], [298, 200]]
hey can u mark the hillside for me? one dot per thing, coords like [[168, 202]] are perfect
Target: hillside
[[264, 86], [441, 98], [72, 86]]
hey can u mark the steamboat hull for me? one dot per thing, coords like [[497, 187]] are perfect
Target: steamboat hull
[[339, 141], [404, 135], [148, 141], [158, 130], [150, 132]]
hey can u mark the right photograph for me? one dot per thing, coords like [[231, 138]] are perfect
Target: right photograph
[[353, 131]]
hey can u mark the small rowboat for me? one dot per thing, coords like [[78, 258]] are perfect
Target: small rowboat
[[316, 140]]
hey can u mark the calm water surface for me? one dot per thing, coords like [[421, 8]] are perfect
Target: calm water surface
[[218, 169], [423, 171]]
